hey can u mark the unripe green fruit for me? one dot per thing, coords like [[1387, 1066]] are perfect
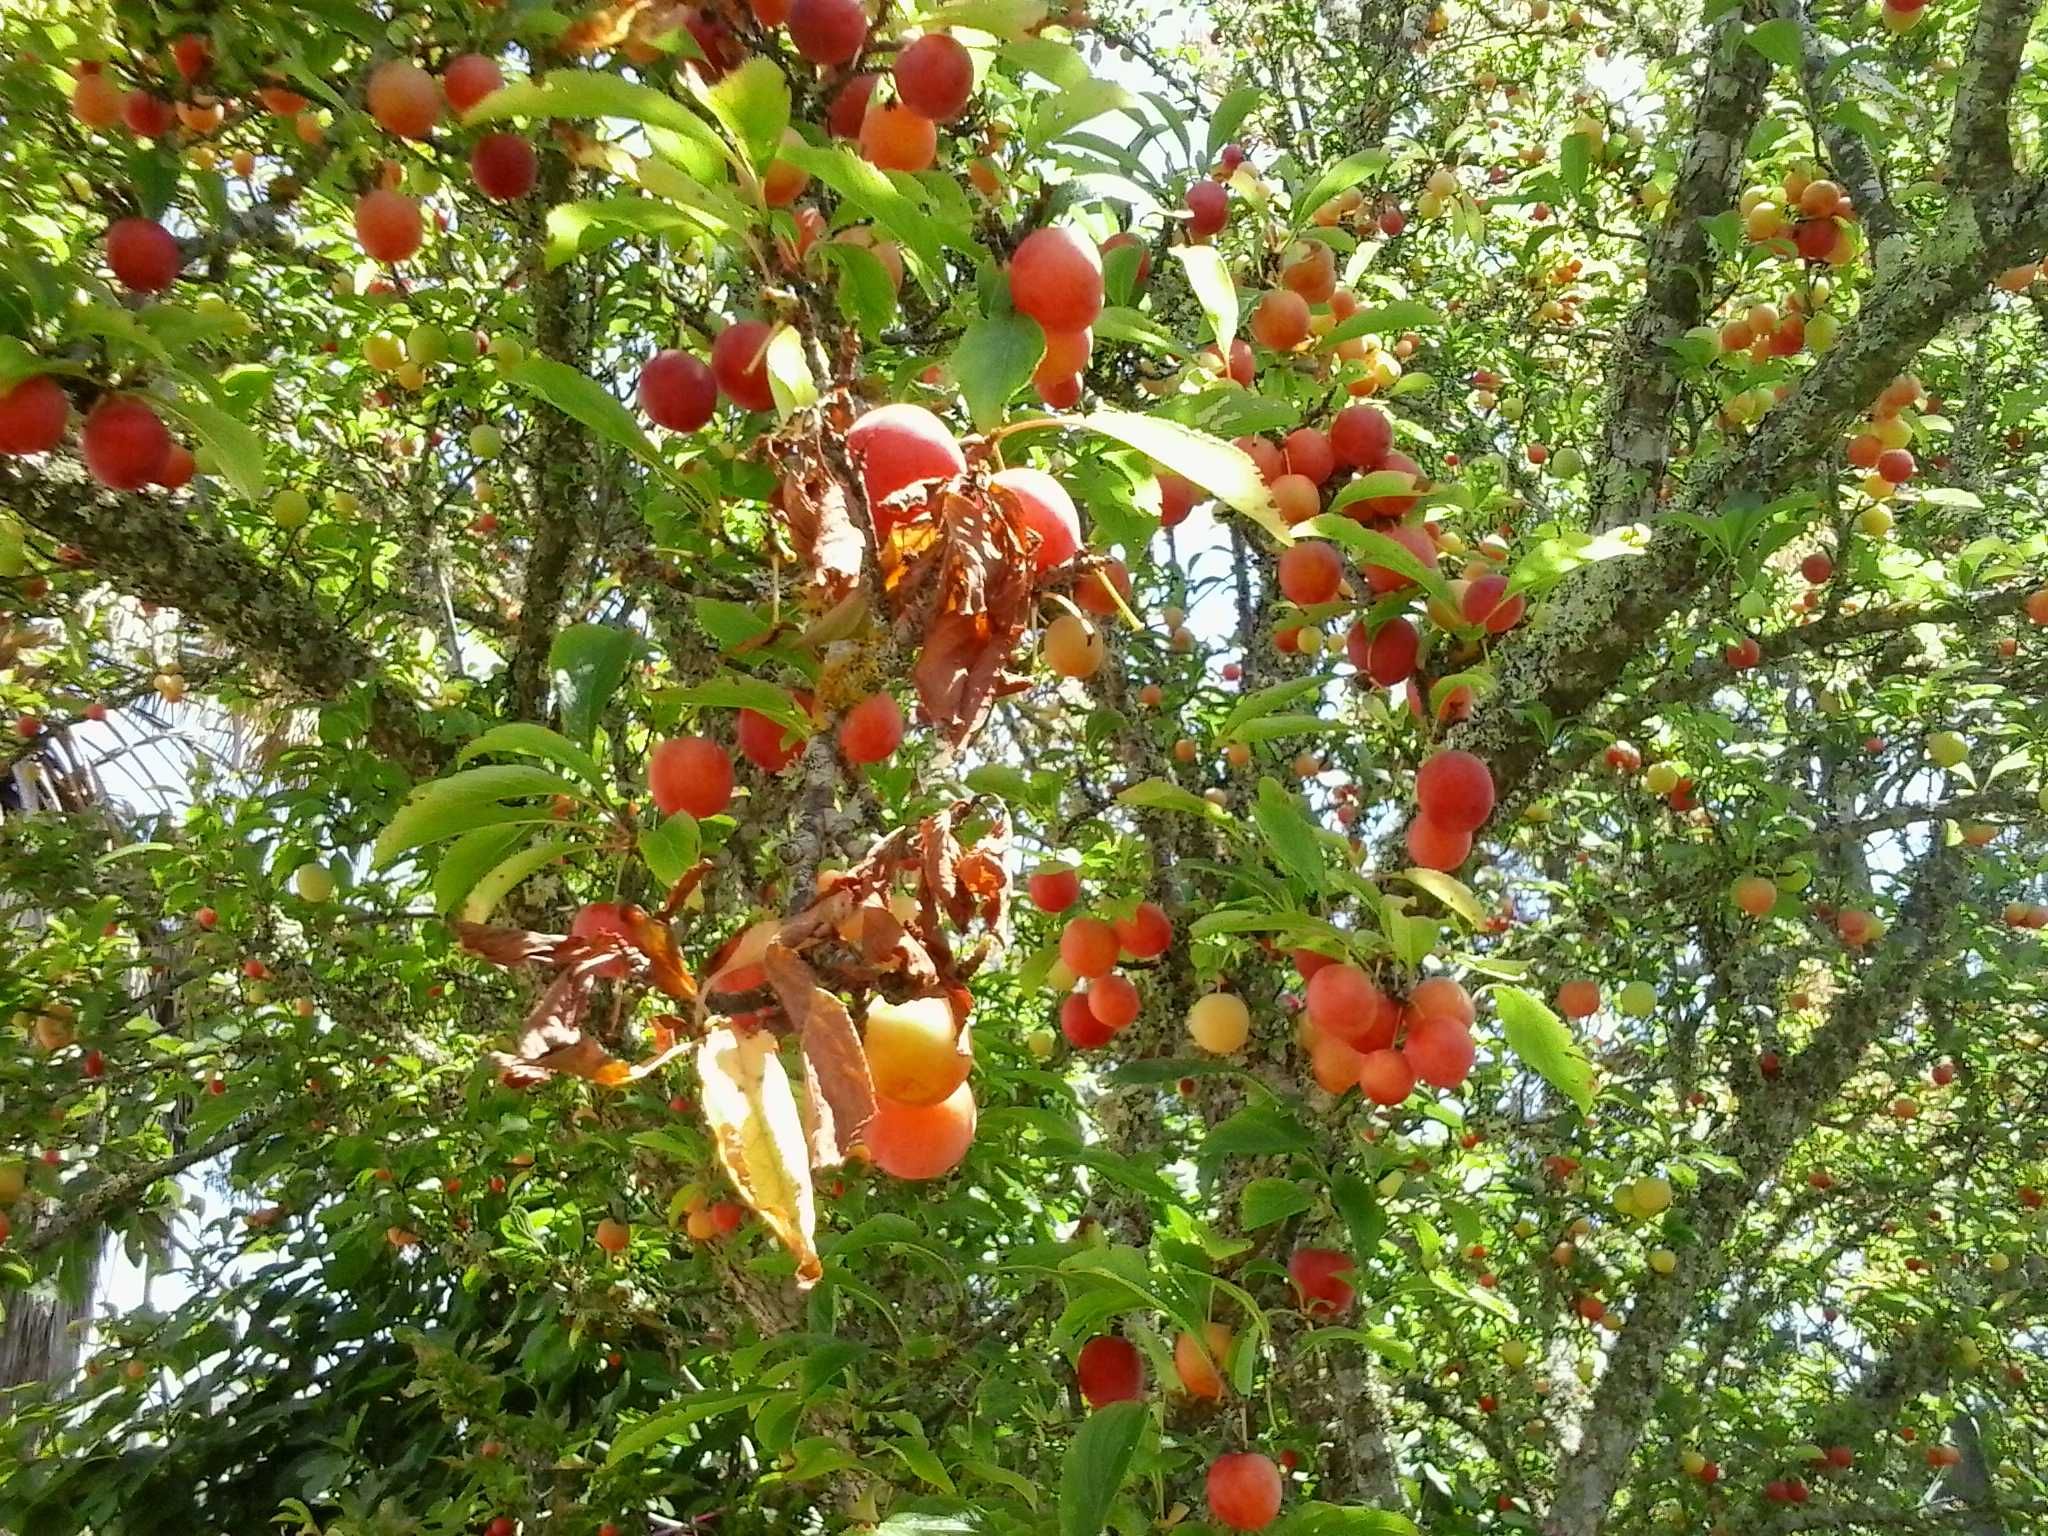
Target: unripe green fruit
[[426, 345], [1947, 749], [1636, 1000], [290, 509], [508, 351], [313, 883], [486, 441]]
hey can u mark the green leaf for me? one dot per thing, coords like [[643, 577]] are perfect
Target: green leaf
[[729, 624], [705, 203], [1375, 548], [1258, 1130], [573, 227], [1008, 19], [992, 361], [1001, 780], [764, 698], [1449, 890], [444, 807], [1544, 566], [1777, 40], [1058, 64], [919, 1457], [1214, 289], [1574, 159], [1545, 1044], [1288, 834], [1348, 172], [872, 193], [1120, 324], [752, 104], [581, 398], [466, 860], [594, 94], [153, 173], [1269, 700], [1221, 468], [865, 291], [1364, 1220], [588, 662], [789, 373], [1229, 116], [1266, 1201], [233, 443], [504, 876], [1082, 102], [1315, 1519], [1383, 319], [1160, 795], [1096, 1463], [672, 848], [692, 1408], [525, 739]]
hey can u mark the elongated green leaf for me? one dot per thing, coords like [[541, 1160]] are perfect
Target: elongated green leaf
[[1007, 19], [1383, 320], [1574, 158], [1552, 560], [708, 204], [462, 801], [1381, 1341], [1221, 468], [1333, 1520], [1287, 833], [1119, 324], [789, 373], [1449, 890], [764, 698], [920, 1458], [1269, 700], [682, 1413], [1348, 172], [505, 876], [581, 398], [1082, 102], [1096, 1464], [594, 94], [1375, 548], [524, 739], [993, 360], [1229, 116], [588, 662], [465, 861], [1160, 795], [866, 292], [572, 227], [1214, 289], [1545, 1044], [872, 192], [234, 444], [1777, 40], [1056, 63]]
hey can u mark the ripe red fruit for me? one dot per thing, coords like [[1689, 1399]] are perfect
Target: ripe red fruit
[[1384, 578], [934, 77], [1309, 454], [1146, 933], [469, 78], [1114, 1001], [1089, 947], [898, 139], [1280, 321], [1345, 1004], [690, 773], [1208, 208], [1078, 1023], [601, 919], [1056, 279], [1318, 1276], [1361, 436], [1311, 572], [143, 255], [1744, 654], [1109, 1370], [1043, 506], [895, 446], [1895, 465], [504, 166], [1579, 998], [1817, 568], [828, 32], [147, 116], [503, 1525], [124, 443], [388, 226], [403, 99], [1943, 1074], [1441, 1051], [179, 468], [1386, 1077], [192, 54], [739, 361], [1391, 654], [678, 391], [1244, 1490], [1053, 888], [872, 730], [33, 415], [850, 107], [1455, 790], [764, 742]]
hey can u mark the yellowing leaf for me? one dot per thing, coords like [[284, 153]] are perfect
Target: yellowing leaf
[[759, 1135]]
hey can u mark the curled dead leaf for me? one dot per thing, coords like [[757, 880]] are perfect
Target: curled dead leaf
[[759, 1137], [836, 1080]]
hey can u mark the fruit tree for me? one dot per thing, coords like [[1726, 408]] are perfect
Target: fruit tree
[[967, 767]]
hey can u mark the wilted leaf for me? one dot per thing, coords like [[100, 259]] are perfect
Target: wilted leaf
[[835, 1063], [759, 1137], [651, 936]]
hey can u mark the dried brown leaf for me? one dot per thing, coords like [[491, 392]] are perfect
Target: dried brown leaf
[[835, 1062], [506, 946], [759, 1137], [820, 518], [653, 938]]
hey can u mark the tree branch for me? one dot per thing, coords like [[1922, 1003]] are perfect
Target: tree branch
[[149, 549], [1848, 156], [1980, 132]]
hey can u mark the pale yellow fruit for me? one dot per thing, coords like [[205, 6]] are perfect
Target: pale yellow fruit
[[913, 1052], [1219, 1023]]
